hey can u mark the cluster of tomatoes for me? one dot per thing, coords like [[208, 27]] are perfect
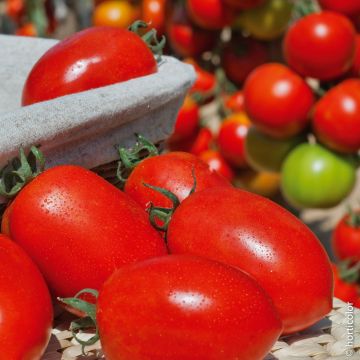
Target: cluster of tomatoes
[[178, 249], [294, 116]]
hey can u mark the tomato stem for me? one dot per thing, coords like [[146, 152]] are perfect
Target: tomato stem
[[165, 214], [87, 322], [20, 171], [150, 38], [347, 273], [130, 158]]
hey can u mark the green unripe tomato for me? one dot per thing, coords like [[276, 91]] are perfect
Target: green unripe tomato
[[315, 177], [266, 22], [265, 153]]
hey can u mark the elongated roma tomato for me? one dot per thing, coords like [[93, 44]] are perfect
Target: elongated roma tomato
[[89, 59], [172, 171], [321, 45], [78, 228], [25, 305], [263, 239], [185, 308]]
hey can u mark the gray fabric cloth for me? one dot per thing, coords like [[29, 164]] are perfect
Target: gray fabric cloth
[[84, 128]]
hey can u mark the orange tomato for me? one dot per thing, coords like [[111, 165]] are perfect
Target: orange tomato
[[28, 29], [115, 13]]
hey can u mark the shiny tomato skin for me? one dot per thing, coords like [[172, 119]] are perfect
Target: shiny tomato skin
[[346, 7], [277, 100], [115, 13], [241, 56], [345, 291], [25, 306], [154, 13], [89, 59], [313, 176], [336, 119], [263, 239], [171, 171], [185, 308], [346, 239], [217, 163], [210, 14], [321, 45], [82, 228], [231, 139]]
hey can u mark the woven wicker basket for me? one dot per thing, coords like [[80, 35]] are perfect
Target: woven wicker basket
[[326, 340]]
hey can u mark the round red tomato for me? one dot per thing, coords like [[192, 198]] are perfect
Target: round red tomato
[[231, 139], [321, 45], [89, 59], [336, 119], [187, 121], [187, 39], [346, 237], [217, 163], [185, 308], [25, 306], [154, 13], [277, 100], [210, 14], [355, 68], [263, 239], [173, 172], [346, 7], [241, 56], [78, 228]]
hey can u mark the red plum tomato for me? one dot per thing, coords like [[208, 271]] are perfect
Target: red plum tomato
[[185, 308]]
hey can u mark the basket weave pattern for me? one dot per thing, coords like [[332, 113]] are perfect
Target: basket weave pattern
[[326, 340]]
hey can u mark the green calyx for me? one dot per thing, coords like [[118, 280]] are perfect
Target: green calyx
[[150, 38], [130, 158], [348, 273], [20, 171], [303, 8], [164, 215], [87, 322]]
